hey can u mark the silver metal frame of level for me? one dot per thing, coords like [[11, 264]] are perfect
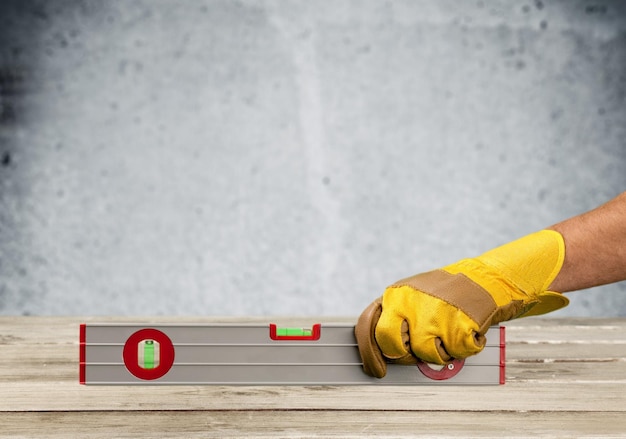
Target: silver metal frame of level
[[251, 354]]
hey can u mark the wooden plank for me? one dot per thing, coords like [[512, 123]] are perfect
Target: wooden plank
[[312, 424], [598, 334], [556, 396], [567, 371], [547, 352]]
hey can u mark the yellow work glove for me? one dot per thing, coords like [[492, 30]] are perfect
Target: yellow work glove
[[444, 314]]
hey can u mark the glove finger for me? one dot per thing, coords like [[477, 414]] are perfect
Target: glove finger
[[465, 345], [429, 349], [389, 335], [455, 336], [437, 351], [464, 339]]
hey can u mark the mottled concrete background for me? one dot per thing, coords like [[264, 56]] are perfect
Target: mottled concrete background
[[293, 157]]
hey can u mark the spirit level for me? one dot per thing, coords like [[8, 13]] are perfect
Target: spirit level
[[258, 354]]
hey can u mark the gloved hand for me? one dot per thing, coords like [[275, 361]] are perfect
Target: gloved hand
[[444, 314]]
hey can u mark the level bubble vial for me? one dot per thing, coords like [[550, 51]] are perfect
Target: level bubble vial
[[148, 354]]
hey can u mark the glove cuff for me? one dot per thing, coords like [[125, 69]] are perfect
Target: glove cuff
[[520, 270], [530, 263]]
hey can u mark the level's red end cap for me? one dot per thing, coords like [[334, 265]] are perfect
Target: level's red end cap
[[82, 353], [502, 355]]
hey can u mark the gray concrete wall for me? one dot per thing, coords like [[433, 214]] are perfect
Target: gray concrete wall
[[290, 157]]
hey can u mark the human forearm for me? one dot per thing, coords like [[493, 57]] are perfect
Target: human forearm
[[595, 247]]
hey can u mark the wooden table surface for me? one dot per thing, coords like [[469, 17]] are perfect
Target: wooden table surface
[[565, 378]]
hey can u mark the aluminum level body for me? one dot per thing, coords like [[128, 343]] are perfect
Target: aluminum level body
[[256, 354]]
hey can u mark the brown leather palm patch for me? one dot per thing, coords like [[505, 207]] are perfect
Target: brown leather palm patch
[[459, 291]]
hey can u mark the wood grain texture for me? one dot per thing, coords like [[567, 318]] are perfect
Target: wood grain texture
[[565, 378], [314, 424]]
